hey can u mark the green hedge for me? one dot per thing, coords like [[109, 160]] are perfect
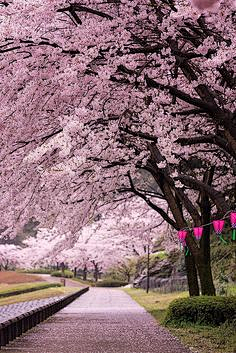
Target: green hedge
[[26, 288], [203, 310], [111, 283], [38, 271], [66, 274]]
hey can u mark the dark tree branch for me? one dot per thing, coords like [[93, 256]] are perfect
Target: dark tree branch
[[212, 139], [73, 8], [138, 134], [216, 196], [218, 115], [207, 107], [188, 112], [161, 212], [4, 3]]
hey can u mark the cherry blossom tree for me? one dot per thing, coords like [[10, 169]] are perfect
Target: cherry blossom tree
[[101, 244], [109, 92], [8, 256], [114, 237]]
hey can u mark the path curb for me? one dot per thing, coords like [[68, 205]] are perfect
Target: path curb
[[13, 328]]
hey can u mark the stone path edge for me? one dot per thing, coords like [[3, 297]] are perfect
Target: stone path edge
[[13, 328]]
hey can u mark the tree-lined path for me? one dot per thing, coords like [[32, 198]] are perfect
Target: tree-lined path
[[101, 321]]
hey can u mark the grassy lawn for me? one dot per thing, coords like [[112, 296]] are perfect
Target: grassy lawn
[[206, 339], [82, 282], [13, 289], [40, 294], [201, 339], [231, 289], [155, 303]]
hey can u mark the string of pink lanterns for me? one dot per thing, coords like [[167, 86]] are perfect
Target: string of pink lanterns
[[218, 226]]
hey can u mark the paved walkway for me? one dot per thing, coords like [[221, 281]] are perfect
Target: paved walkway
[[68, 282], [100, 321]]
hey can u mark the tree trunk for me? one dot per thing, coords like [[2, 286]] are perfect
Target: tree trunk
[[192, 276], [148, 269], [85, 273], [175, 203], [203, 261], [75, 271], [206, 280], [63, 268], [96, 273], [6, 265]]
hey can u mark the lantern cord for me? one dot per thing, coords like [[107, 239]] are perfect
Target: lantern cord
[[208, 224], [234, 234], [222, 239], [187, 251]]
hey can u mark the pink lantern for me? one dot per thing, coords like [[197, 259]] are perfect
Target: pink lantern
[[218, 226], [233, 219], [197, 231], [233, 224], [182, 234]]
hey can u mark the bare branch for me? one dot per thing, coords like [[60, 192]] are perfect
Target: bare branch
[[161, 212], [212, 139], [138, 134], [216, 196]]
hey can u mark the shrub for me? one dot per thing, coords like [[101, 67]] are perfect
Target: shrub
[[66, 274], [212, 311], [111, 283], [38, 270]]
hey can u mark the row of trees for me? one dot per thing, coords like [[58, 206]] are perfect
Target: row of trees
[[103, 101], [105, 242]]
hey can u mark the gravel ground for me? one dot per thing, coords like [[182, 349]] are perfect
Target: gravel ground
[[100, 321], [10, 311]]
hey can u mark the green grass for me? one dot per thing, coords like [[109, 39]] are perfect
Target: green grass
[[88, 282], [203, 339], [160, 255], [10, 290], [206, 339], [155, 303], [231, 290], [40, 294]]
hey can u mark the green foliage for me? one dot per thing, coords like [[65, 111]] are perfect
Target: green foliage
[[122, 272], [155, 258], [65, 274], [204, 310], [38, 270], [133, 267], [26, 288], [201, 338], [111, 283], [223, 260], [161, 255], [231, 290]]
